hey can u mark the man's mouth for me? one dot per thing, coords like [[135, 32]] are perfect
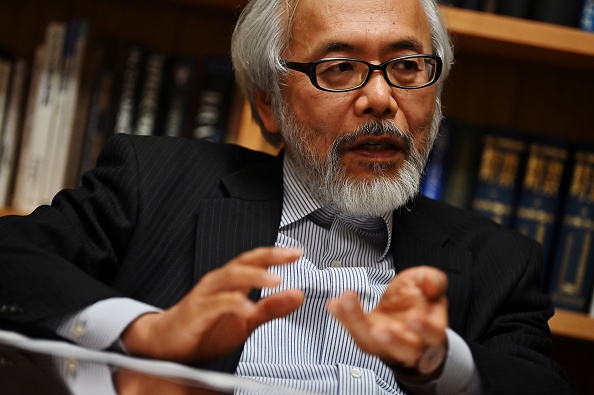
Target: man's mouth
[[377, 144], [375, 147]]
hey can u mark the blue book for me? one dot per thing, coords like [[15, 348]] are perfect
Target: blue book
[[464, 156], [433, 183], [572, 276], [499, 178], [214, 101], [587, 19], [539, 202]]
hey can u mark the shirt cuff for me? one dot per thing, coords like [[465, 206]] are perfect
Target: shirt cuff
[[101, 324], [459, 374]]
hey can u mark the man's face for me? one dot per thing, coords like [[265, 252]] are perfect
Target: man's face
[[370, 30]]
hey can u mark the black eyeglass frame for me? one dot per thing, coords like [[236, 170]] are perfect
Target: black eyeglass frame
[[310, 70]]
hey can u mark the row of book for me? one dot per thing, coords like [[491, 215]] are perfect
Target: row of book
[[57, 109], [540, 186], [574, 13]]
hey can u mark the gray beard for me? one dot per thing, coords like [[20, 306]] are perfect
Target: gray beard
[[327, 180]]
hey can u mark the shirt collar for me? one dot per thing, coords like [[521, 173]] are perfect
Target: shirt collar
[[298, 203]]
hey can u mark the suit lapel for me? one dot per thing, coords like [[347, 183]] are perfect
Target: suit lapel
[[247, 217], [416, 240]]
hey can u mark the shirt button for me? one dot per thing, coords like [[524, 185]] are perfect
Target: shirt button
[[336, 263], [78, 329], [356, 373]]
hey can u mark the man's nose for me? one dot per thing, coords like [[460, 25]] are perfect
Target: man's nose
[[377, 97]]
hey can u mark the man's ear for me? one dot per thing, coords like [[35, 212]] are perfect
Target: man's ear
[[264, 108]]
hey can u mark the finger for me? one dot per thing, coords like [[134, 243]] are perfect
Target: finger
[[267, 256], [348, 311], [236, 278], [276, 305], [433, 282]]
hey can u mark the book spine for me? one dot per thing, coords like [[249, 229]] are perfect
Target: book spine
[[572, 276], [463, 164], [30, 194], [22, 174], [179, 97], [516, 8], [497, 186], [587, 17], [559, 12], [435, 172], [128, 83], [539, 202], [5, 73], [99, 117], [214, 100], [11, 128], [471, 4], [68, 106], [147, 121]]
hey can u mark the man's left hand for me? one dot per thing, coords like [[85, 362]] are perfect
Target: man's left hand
[[407, 328]]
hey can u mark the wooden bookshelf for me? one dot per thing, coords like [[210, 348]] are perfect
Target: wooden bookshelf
[[492, 34], [571, 324]]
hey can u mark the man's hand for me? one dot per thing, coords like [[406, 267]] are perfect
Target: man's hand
[[216, 316], [407, 328]]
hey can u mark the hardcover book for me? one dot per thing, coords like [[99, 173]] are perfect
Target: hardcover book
[[215, 100], [462, 166], [435, 172], [539, 202], [572, 276], [498, 184]]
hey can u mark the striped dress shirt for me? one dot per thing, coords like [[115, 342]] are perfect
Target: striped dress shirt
[[310, 350]]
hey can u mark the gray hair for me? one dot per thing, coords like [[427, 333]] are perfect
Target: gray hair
[[263, 33]]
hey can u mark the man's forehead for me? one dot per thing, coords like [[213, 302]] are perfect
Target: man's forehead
[[329, 24]]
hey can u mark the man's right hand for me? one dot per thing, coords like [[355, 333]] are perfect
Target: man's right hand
[[216, 316]]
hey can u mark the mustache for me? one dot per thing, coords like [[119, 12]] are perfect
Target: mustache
[[374, 128]]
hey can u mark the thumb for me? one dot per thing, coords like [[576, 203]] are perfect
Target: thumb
[[434, 283]]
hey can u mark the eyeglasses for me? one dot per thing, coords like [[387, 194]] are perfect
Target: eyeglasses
[[346, 74]]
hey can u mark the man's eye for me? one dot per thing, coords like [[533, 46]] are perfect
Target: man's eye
[[338, 67], [407, 65]]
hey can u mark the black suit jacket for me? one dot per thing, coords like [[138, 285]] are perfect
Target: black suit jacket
[[158, 213]]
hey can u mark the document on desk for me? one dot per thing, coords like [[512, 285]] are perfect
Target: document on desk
[[214, 380]]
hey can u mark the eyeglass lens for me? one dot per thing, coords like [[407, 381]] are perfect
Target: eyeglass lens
[[345, 74]]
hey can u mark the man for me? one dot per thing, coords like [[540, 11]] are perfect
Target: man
[[375, 289]]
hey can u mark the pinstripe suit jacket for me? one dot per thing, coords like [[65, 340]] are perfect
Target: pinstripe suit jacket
[[158, 213]]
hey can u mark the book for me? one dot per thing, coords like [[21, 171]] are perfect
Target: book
[[11, 128], [498, 183], [435, 171], [5, 74], [147, 120], [127, 85], [559, 12], [22, 177], [98, 125], [540, 199], [572, 276], [462, 166], [215, 99], [68, 106], [179, 97], [29, 192], [93, 60], [587, 17], [516, 8], [471, 4]]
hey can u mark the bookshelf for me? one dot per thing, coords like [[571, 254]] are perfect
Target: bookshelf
[[515, 73]]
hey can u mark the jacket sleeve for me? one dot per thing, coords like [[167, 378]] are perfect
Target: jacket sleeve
[[62, 257]]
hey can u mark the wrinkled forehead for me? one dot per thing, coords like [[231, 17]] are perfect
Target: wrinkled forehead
[[316, 24]]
